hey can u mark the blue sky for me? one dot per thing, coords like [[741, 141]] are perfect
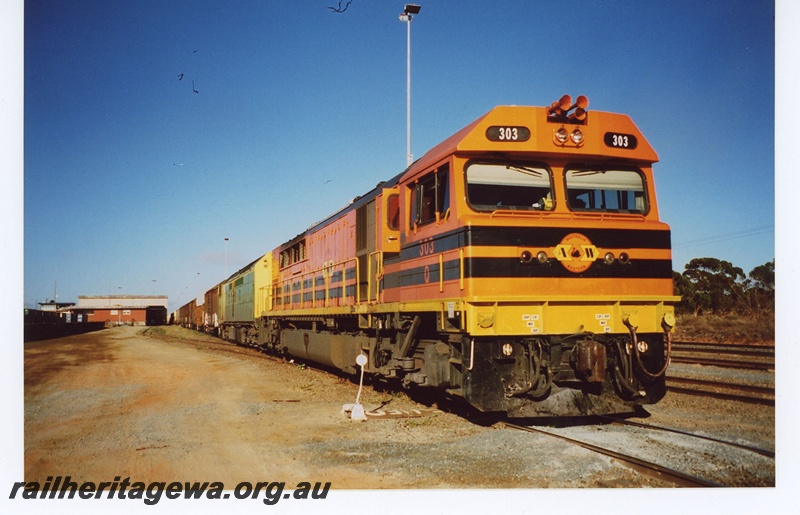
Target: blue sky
[[132, 180]]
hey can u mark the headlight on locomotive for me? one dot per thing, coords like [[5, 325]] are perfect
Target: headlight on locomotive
[[504, 351], [542, 258]]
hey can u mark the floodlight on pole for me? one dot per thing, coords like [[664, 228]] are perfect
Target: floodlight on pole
[[407, 16]]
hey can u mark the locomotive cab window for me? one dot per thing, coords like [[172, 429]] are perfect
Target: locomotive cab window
[[430, 198], [613, 191], [498, 186], [393, 212]]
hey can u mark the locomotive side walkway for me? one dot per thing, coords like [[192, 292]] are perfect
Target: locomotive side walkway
[[188, 407]]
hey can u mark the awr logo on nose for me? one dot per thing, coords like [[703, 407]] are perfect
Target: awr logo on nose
[[575, 252]]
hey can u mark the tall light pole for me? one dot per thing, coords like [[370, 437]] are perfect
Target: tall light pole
[[407, 16]]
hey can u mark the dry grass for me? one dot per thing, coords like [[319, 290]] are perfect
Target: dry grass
[[726, 329]]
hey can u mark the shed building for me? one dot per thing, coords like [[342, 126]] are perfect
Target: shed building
[[120, 309]]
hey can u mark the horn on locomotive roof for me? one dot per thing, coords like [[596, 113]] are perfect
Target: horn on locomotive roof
[[581, 103], [578, 115], [564, 105], [561, 106]]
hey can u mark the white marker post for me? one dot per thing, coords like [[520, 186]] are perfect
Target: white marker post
[[357, 410]]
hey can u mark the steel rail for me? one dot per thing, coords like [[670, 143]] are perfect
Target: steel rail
[[748, 365], [640, 465], [757, 450], [692, 349], [766, 401], [740, 346], [764, 390]]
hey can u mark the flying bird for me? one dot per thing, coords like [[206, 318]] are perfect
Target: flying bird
[[180, 77], [341, 9], [194, 89]]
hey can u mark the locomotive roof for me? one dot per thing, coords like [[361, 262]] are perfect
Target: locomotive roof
[[473, 136], [354, 204], [246, 268]]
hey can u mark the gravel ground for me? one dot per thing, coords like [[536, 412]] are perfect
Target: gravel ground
[[186, 407]]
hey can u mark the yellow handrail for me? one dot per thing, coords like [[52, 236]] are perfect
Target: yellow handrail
[[461, 268], [378, 275], [441, 272]]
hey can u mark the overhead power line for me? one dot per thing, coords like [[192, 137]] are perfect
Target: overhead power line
[[726, 236]]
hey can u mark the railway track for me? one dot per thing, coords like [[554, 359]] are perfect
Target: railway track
[[723, 356], [622, 421], [726, 348], [727, 355], [722, 390], [647, 466]]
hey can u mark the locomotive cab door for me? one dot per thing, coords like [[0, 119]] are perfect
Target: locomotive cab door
[[389, 215], [387, 240]]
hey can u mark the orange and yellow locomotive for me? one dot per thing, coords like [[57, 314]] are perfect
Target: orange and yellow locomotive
[[520, 265]]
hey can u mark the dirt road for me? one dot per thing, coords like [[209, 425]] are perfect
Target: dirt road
[[188, 407], [120, 403]]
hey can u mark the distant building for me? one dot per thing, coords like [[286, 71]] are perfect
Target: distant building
[[51, 305], [119, 309]]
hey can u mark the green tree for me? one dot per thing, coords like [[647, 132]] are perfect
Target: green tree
[[685, 288], [761, 288], [764, 276], [716, 285]]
